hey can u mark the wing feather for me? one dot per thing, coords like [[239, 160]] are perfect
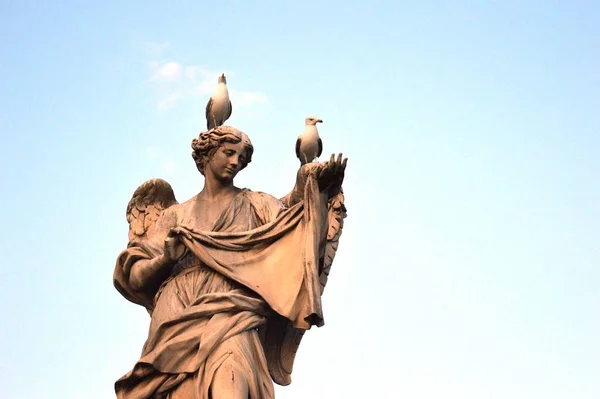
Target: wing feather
[[228, 112], [208, 112], [320, 151], [298, 142], [146, 205], [336, 214]]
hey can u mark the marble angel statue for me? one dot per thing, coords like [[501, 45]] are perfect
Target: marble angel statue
[[232, 278]]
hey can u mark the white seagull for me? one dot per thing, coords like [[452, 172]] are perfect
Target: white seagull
[[309, 145], [218, 109]]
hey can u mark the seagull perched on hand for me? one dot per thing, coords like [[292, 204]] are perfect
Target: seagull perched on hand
[[218, 109], [309, 145]]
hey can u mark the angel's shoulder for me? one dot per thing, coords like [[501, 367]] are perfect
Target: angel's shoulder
[[260, 196], [266, 206], [263, 200]]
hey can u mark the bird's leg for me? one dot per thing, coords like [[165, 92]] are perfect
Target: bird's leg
[[214, 120]]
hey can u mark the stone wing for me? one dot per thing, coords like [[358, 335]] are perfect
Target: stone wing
[[146, 205]]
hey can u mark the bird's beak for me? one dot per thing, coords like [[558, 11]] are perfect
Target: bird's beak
[[320, 120]]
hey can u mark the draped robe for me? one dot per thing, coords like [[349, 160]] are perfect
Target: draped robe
[[259, 262]]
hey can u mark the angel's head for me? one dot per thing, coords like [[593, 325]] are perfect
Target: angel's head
[[205, 146]]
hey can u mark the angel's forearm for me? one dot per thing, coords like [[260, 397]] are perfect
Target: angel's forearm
[[297, 193], [293, 197], [149, 272]]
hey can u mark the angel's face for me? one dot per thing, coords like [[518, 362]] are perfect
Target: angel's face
[[226, 162]]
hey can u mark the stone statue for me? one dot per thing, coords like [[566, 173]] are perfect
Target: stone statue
[[232, 278]]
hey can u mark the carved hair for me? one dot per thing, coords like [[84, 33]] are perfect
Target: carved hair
[[209, 142]]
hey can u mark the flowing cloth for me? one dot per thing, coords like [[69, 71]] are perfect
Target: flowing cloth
[[208, 314]]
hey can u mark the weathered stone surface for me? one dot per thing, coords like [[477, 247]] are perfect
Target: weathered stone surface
[[232, 278]]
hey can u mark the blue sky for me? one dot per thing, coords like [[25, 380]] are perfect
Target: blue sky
[[468, 267]]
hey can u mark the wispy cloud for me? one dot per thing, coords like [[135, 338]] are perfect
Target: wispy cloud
[[247, 97], [168, 71], [169, 101], [200, 75], [177, 82]]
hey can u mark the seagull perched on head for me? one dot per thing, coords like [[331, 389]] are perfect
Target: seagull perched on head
[[218, 109], [309, 145]]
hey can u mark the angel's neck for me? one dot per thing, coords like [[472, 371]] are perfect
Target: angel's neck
[[215, 190]]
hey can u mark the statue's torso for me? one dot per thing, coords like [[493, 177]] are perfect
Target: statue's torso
[[243, 211]]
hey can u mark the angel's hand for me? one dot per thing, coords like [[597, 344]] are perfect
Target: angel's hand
[[175, 249], [331, 175]]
